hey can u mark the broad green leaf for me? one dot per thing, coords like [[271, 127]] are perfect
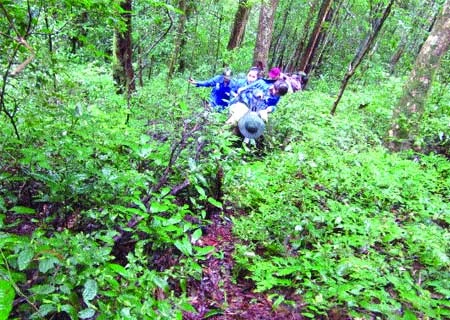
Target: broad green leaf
[[200, 191], [42, 289], [86, 313], [47, 263], [119, 269], [90, 290], [215, 203], [70, 310], [6, 299], [45, 309], [160, 282], [172, 221], [157, 207], [184, 246], [23, 210], [24, 258], [203, 251], [196, 235], [188, 307]]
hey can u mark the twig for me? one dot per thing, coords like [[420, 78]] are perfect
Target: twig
[[22, 66]]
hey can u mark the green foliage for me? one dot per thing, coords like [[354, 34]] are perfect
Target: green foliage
[[94, 163], [6, 298], [341, 220], [330, 214]]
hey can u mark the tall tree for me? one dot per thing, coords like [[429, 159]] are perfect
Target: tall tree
[[278, 47], [265, 31], [407, 114], [123, 70], [180, 39], [326, 39], [240, 23], [317, 34], [294, 61], [364, 48]]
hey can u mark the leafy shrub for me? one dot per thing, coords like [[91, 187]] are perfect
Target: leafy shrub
[[342, 221], [95, 170]]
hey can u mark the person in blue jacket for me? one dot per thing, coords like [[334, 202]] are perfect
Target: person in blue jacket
[[260, 96], [221, 89], [253, 74]]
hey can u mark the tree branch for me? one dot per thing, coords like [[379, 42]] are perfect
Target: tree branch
[[22, 66]]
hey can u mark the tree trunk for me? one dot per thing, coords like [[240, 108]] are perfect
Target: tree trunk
[[140, 64], [240, 22], [362, 51], [265, 31], [305, 64], [407, 114], [279, 46], [123, 71], [179, 38], [297, 56], [395, 58], [329, 36]]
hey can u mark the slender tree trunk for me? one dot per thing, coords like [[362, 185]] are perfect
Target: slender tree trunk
[[49, 36], [407, 114], [140, 66], [317, 61], [395, 58], [219, 38], [297, 56], [265, 31], [305, 64], [278, 47], [240, 23], [363, 50], [182, 5], [123, 71]]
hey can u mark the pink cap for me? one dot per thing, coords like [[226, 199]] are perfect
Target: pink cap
[[274, 72]]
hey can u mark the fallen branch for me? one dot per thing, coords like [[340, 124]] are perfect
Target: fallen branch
[[177, 148]]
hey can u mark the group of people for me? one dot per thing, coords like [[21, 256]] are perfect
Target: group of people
[[254, 94]]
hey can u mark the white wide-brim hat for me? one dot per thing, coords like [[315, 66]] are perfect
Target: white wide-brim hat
[[251, 125]]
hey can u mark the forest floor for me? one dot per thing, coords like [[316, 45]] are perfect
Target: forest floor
[[217, 296], [221, 296]]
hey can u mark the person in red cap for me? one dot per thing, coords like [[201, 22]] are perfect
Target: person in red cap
[[260, 83], [274, 74]]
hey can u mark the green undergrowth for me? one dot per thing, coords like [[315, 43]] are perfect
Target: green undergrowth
[[96, 190], [98, 187], [336, 217]]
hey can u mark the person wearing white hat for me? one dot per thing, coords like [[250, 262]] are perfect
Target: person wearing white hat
[[251, 126]]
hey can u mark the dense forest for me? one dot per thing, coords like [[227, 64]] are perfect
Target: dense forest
[[124, 195]]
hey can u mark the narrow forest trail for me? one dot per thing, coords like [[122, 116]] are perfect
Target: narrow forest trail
[[218, 296]]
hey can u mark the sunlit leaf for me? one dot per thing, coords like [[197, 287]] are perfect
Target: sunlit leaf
[[90, 290], [24, 258], [23, 210], [215, 203], [6, 299]]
